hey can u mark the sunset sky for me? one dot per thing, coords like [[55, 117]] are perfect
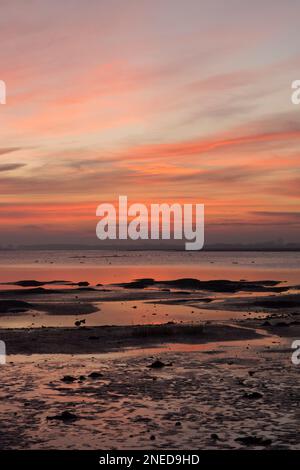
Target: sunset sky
[[161, 100]]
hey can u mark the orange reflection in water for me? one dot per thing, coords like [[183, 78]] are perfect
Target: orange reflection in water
[[117, 273]]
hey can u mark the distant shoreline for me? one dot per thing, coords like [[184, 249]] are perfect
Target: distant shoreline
[[176, 250]]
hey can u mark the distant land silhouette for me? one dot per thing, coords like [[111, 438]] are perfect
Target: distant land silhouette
[[164, 245]]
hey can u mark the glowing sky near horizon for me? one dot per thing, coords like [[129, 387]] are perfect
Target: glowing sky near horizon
[[162, 101]]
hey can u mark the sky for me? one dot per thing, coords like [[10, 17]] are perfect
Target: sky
[[162, 101]]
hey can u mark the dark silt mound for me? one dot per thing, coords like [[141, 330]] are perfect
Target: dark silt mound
[[284, 301], [115, 338], [14, 306], [219, 285], [31, 291], [39, 291], [34, 283]]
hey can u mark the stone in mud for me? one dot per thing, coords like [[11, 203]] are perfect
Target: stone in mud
[[157, 365], [254, 441], [95, 375], [68, 379], [281, 324], [253, 395], [65, 416]]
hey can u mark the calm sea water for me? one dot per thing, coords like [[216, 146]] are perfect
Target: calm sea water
[[112, 266]]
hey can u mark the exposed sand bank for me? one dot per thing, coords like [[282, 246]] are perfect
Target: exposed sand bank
[[111, 338]]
